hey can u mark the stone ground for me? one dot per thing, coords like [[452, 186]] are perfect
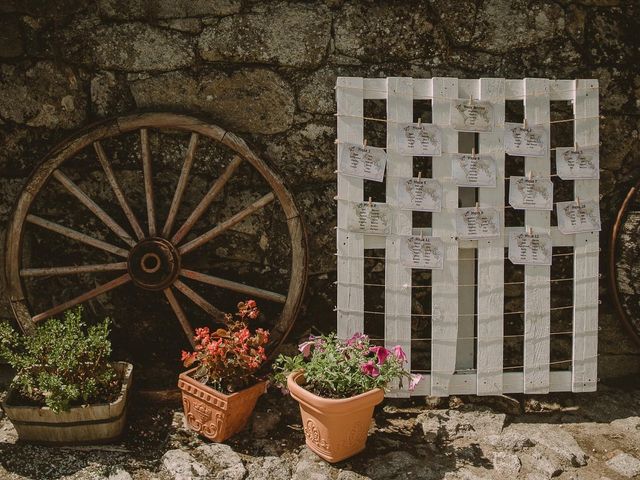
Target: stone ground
[[564, 436]]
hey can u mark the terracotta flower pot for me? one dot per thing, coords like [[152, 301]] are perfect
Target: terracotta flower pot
[[213, 414], [93, 423], [335, 429]]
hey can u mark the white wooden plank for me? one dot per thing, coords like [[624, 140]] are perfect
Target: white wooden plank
[[514, 89], [422, 89], [375, 88], [561, 90], [585, 262], [397, 298], [558, 239], [350, 268], [537, 288], [444, 289], [513, 382], [491, 253]]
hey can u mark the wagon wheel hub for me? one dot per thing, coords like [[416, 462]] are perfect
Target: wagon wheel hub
[[153, 263]]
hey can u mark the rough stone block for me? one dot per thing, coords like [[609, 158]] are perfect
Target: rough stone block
[[283, 34]]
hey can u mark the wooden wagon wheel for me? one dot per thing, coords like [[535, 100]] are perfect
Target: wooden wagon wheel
[[623, 270], [151, 258]]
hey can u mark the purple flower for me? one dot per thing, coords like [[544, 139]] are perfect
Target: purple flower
[[305, 348], [381, 352], [415, 379], [399, 353], [370, 369]]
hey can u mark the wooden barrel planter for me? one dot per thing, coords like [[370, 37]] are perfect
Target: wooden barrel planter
[[96, 423]]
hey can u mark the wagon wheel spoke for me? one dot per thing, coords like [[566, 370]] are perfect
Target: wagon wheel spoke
[[73, 269], [148, 181], [182, 318], [106, 166], [227, 224], [74, 235], [99, 290], [210, 196], [198, 300], [182, 183], [77, 192], [234, 286]]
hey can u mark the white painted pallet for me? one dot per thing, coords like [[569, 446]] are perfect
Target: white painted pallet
[[458, 365]]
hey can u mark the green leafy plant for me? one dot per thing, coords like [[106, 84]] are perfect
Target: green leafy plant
[[63, 363], [340, 369], [228, 358]]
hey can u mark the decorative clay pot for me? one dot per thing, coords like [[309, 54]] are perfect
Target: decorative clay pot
[[93, 423], [335, 429], [213, 414]]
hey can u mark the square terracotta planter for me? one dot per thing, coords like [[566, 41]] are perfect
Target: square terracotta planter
[[213, 414], [94, 423], [335, 429]]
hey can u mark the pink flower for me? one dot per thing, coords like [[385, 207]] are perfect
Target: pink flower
[[305, 348], [370, 369], [381, 352], [415, 379], [399, 353], [357, 340]]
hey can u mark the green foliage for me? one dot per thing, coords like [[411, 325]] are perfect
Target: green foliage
[[63, 363], [342, 369]]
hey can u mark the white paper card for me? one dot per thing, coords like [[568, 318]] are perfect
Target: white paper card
[[574, 218], [424, 194], [583, 163], [525, 142], [420, 140], [475, 222], [364, 162], [471, 116], [473, 170], [422, 252], [531, 194], [530, 249], [373, 218]]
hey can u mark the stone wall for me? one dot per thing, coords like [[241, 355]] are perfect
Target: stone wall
[[266, 70]]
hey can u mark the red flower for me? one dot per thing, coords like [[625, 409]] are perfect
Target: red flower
[[229, 356]]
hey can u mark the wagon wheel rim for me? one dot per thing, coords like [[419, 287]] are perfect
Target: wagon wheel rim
[[153, 258], [613, 270]]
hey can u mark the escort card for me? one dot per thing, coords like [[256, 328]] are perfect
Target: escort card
[[531, 194], [473, 170], [373, 218], [474, 222], [530, 248], [583, 163], [420, 140], [363, 161], [525, 142], [574, 218], [424, 194], [471, 116], [422, 252]]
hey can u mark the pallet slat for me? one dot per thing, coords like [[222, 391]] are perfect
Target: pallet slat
[[444, 290], [491, 254], [585, 262], [397, 323], [350, 268], [537, 288]]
